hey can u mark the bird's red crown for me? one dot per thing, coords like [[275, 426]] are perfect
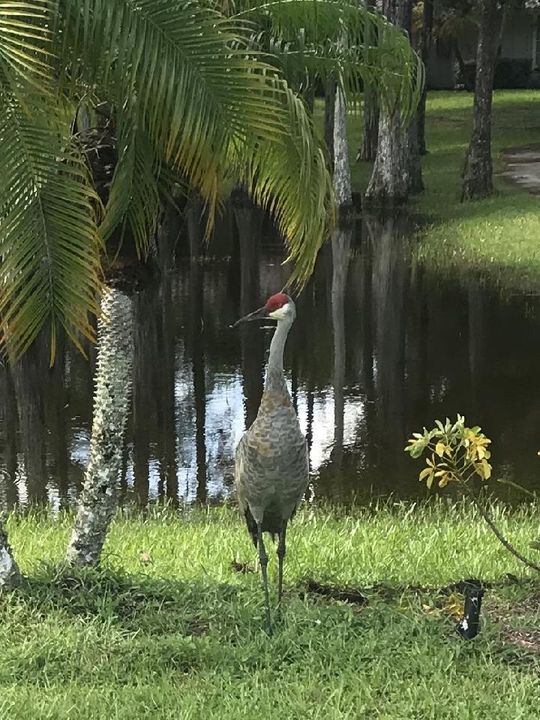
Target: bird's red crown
[[276, 301]]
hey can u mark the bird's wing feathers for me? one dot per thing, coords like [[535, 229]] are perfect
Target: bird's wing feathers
[[272, 467]]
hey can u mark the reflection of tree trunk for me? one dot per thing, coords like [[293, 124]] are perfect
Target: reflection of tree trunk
[[27, 374], [199, 389], [249, 222], [341, 243], [309, 419], [55, 413], [111, 401], [478, 173], [10, 436], [477, 320], [9, 572], [168, 420], [147, 388], [197, 349], [389, 290]]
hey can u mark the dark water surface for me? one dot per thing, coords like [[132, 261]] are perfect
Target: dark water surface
[[380, 348]]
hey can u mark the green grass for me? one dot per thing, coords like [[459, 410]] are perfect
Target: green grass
[[499, 235], [179, 633]]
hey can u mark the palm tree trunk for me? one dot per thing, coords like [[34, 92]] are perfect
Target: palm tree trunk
[[340, 147], [390, 180], [9, 572], [329, 103], [478, 172], [111, 402]]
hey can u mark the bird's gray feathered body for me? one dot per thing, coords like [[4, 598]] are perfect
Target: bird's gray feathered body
[[271, 472]]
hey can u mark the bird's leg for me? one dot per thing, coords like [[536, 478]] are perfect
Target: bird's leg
[[263, 559], [281, 555]]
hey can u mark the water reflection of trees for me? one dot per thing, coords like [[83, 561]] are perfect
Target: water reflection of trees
[[381, 347]]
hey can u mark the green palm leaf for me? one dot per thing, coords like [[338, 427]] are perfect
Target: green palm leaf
[[201, 98], [48, 234], [340, 39], [25, 41]]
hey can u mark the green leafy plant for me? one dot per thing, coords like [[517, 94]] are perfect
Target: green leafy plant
[[459, 454]]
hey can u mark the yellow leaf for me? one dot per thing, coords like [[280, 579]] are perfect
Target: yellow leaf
[[440, 447]]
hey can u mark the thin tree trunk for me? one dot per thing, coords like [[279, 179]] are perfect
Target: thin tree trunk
[[412, 152], [368, 149], [9, 572], [111, 403], [414, 172], [329, 103], [425, 50], [389, 184], [370, 135], [478, 172]]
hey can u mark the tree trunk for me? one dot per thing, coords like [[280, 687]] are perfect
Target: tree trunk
[[412, 152], [342, 169], [9, 572], [425, 50], [370, 135], [478, 171], [390, 183], [329, 103], [368, 150], [111, 403], [414, 170]]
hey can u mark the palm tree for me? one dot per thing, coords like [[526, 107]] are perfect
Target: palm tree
[[394, 172], [192, 103], [341, 42]]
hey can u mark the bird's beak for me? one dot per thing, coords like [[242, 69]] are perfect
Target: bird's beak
[[255, 315]]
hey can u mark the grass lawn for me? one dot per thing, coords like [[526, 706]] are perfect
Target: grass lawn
[[500, 235], [168, 629]]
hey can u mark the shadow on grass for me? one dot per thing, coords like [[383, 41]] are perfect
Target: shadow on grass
[[151, 606]]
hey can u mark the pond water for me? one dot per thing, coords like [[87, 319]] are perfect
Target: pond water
[[381, 347]]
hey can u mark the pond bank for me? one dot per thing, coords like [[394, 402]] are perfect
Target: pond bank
[[169, 628], [497, 236]]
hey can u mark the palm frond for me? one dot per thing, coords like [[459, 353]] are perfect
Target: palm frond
[[25, 41], [197, 91], [49, 270], [291, 181], [338, 39]]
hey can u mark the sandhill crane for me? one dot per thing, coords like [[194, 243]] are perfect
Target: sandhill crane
[[271, 471]]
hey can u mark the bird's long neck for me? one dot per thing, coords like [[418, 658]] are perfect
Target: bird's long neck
[[275, 377]]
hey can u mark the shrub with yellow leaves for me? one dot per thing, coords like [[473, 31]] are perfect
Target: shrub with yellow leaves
[[456, 453]]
